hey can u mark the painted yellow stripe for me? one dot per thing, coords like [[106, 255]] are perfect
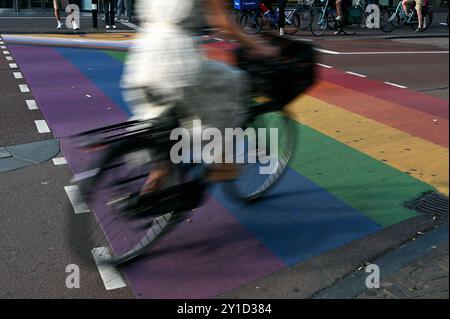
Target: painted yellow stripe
[[426, 161]]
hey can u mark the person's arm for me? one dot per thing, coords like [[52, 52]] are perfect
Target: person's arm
[[218, 17]]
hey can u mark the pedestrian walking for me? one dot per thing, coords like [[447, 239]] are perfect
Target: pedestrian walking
[[110, 6], [124, 5]]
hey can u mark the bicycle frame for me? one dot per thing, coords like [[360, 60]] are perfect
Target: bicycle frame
[[406, 19]]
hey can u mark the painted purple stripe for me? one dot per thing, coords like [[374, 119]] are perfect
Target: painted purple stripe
[[209, 256], [70, 102]]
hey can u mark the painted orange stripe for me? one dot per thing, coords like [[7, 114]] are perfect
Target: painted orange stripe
[[426, 126]]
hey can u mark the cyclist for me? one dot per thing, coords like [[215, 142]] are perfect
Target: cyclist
[[165, 71], [419, 6], [281, 16], [339, 4]]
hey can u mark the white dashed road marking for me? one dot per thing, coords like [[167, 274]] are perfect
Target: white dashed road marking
[[18, 75], [42, 126], [9, 58], [325, 66], [76, 199], [111, 277], [6, 53], [13, 66], [24, 88], [59, 161], [32, 105], [356, 74], [396, 85]]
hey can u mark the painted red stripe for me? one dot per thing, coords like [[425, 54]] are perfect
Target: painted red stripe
[[408, 120], [420, 102]]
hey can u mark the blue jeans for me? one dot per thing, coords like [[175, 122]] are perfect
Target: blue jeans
[[124, 5]]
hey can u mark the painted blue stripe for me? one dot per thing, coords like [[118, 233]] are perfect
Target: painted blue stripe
[[100, 68], [300, 220]]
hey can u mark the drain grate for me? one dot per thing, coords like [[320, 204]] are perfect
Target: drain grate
[[430, 204]]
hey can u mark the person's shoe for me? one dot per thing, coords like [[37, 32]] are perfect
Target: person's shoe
[[420, 29], [281, 31], [108, 27], [60, 25], [337, 32], [114, 27], [339, 18]]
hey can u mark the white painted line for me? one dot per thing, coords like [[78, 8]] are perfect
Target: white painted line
[[42, 126], [395, 52], [356, 74], [1, 42], [9, 58], [76, 199], [18, 75], [13, 66], [219, 39], [6, 53], [396, 85], [32, 105], [131, 25], [325, 66], [327, 51], [24, 88], [59, 161], [112, 279], [85, 175], [2, 47]]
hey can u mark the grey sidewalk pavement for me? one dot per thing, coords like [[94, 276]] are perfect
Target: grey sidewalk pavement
[[425, 278]]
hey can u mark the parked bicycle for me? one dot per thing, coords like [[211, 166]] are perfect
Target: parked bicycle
[[134, 148], [398, 18], [325, 18], [254, 15]]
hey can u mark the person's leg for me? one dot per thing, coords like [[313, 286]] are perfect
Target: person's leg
[[106, 8], [119, 9], [420, 17], [128, 8], [112, 12], [339, 9], [56, 6], [405, 5], [282, 16]]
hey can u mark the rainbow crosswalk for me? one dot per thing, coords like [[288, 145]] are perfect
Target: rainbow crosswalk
[[365, 149]]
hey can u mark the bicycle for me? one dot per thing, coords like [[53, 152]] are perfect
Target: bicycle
[[254, 15], [400, 18], [134, 148], [326, 18]]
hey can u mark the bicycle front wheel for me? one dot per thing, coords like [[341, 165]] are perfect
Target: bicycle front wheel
[[121, 173], [391, 23], [264, 157], [319, 24], [250, 22]]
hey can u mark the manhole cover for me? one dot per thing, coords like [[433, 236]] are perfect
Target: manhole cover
[[4, 153], [430, 204]]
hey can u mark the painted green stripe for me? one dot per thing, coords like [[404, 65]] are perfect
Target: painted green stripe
[[118, 55], [373, 188]]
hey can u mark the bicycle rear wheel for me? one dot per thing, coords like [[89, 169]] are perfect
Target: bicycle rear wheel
[[265, 157], [391, 23], [319, 24], [353, 19], [294, 26]]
